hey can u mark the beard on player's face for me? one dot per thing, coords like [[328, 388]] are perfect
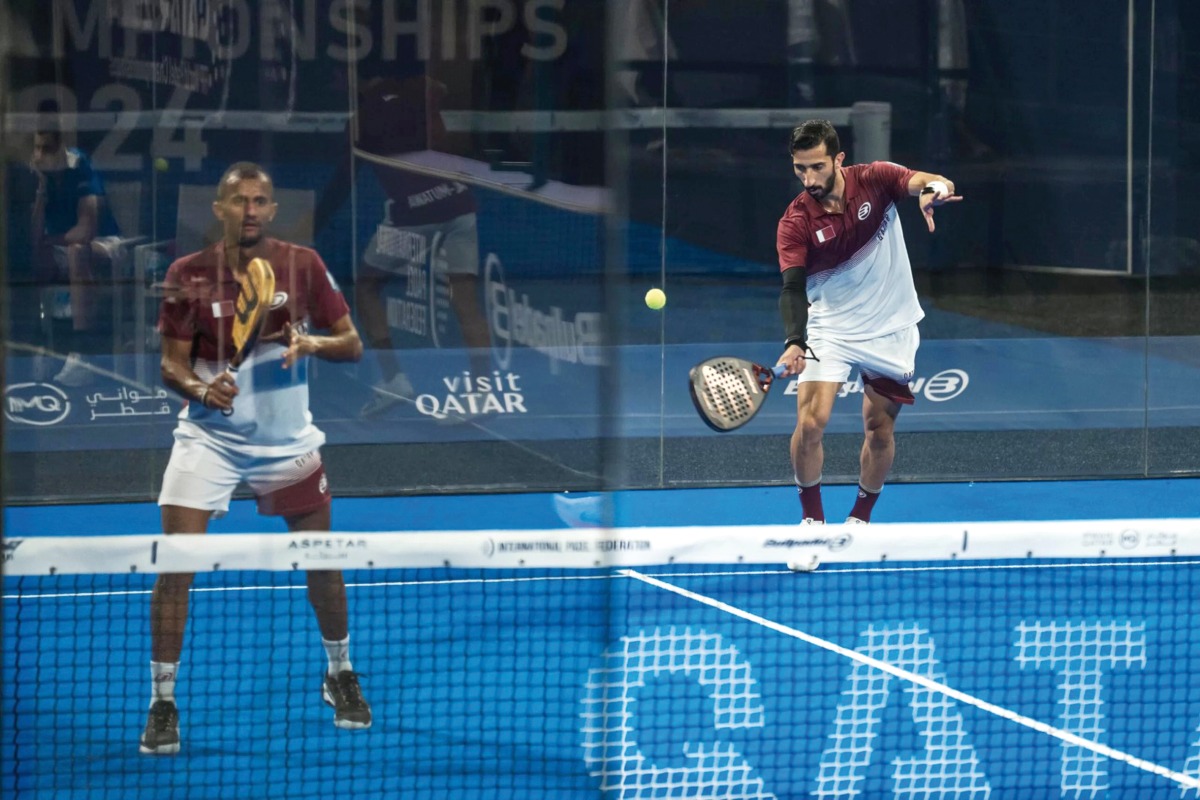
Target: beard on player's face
[[250, 229], [817, 192], [250, 239]]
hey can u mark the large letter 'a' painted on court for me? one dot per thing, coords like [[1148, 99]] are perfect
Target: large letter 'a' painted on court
[[1082, 652], [610, 717], [949, 769]]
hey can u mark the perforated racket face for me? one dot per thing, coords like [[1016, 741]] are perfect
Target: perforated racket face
[[726, 392]]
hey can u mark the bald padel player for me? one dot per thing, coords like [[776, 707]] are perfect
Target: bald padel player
[[251, 426]]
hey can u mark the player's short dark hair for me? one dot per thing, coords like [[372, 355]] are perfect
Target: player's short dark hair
[[816, 132], [241, 171]]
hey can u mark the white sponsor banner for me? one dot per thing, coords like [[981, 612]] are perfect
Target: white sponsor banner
[[604, 548]]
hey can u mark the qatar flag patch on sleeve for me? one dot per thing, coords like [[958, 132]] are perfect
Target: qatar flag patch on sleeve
[[825, 234]]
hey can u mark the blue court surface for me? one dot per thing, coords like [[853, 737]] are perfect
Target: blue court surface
[[901, 502], [1012, 678]]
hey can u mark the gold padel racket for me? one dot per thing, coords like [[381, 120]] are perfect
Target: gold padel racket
[[250, 310]]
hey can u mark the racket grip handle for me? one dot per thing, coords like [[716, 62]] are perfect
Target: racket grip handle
[[231, 371], [778, 370]]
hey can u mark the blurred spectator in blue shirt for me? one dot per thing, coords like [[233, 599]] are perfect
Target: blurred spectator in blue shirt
[[74, 238]]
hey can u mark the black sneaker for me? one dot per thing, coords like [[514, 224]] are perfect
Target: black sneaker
[[342, 692], [161, 736]]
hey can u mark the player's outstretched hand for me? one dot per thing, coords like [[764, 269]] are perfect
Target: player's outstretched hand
[[929, 200]]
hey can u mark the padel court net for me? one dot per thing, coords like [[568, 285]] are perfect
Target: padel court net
[[975, 660]]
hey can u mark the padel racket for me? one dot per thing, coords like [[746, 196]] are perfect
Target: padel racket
[[729, 391], [250, 309]]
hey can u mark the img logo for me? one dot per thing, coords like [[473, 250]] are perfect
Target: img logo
[[36, 404]]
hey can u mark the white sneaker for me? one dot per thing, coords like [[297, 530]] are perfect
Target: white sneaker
[[75, 372], [811, 521], [387, 394], [856, 521]]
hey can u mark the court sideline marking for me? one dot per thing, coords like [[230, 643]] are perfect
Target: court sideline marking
[[1185, 781]]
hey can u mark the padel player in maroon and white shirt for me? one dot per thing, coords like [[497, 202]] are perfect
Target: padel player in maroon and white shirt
[[429, 228], [848, 301], [255, 429]]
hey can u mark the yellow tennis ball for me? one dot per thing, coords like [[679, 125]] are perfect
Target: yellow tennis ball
[[161, 164], [656, 298]]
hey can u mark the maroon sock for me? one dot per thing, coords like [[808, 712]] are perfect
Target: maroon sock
[[810, 502], [864, 504]]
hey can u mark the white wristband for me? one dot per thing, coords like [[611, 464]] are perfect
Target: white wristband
[[939, 188]]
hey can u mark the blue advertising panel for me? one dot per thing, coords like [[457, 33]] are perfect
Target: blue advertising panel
[[546, 383]]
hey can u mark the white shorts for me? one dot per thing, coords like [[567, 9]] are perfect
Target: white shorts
[[202, 475], [451, 247], [886, 363]]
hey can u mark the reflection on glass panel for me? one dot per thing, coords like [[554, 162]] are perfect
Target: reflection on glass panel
[[1173, 246], [1042, 120], [494, 186], [417, 147]]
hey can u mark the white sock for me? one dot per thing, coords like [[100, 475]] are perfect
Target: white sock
[[339, 654], [162, 681]]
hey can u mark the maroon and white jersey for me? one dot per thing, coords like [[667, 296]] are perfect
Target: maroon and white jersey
[[858, 275], [403, 116], [270, 413]]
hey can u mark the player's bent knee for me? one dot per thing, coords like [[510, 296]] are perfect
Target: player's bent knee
[[879, 432], [810, 427], [879, 439], [879, 425]]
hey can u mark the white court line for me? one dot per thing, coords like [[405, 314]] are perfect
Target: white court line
[[1183, 780]]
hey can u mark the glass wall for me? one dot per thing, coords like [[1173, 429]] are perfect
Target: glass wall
[[406, 142], [493, 186], [1057, 339]]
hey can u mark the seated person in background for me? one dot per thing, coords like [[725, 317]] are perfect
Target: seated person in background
[[428, 223], [74, 237], [24, 309]]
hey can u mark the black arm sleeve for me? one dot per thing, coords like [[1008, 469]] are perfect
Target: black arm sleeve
[[793, 306]]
